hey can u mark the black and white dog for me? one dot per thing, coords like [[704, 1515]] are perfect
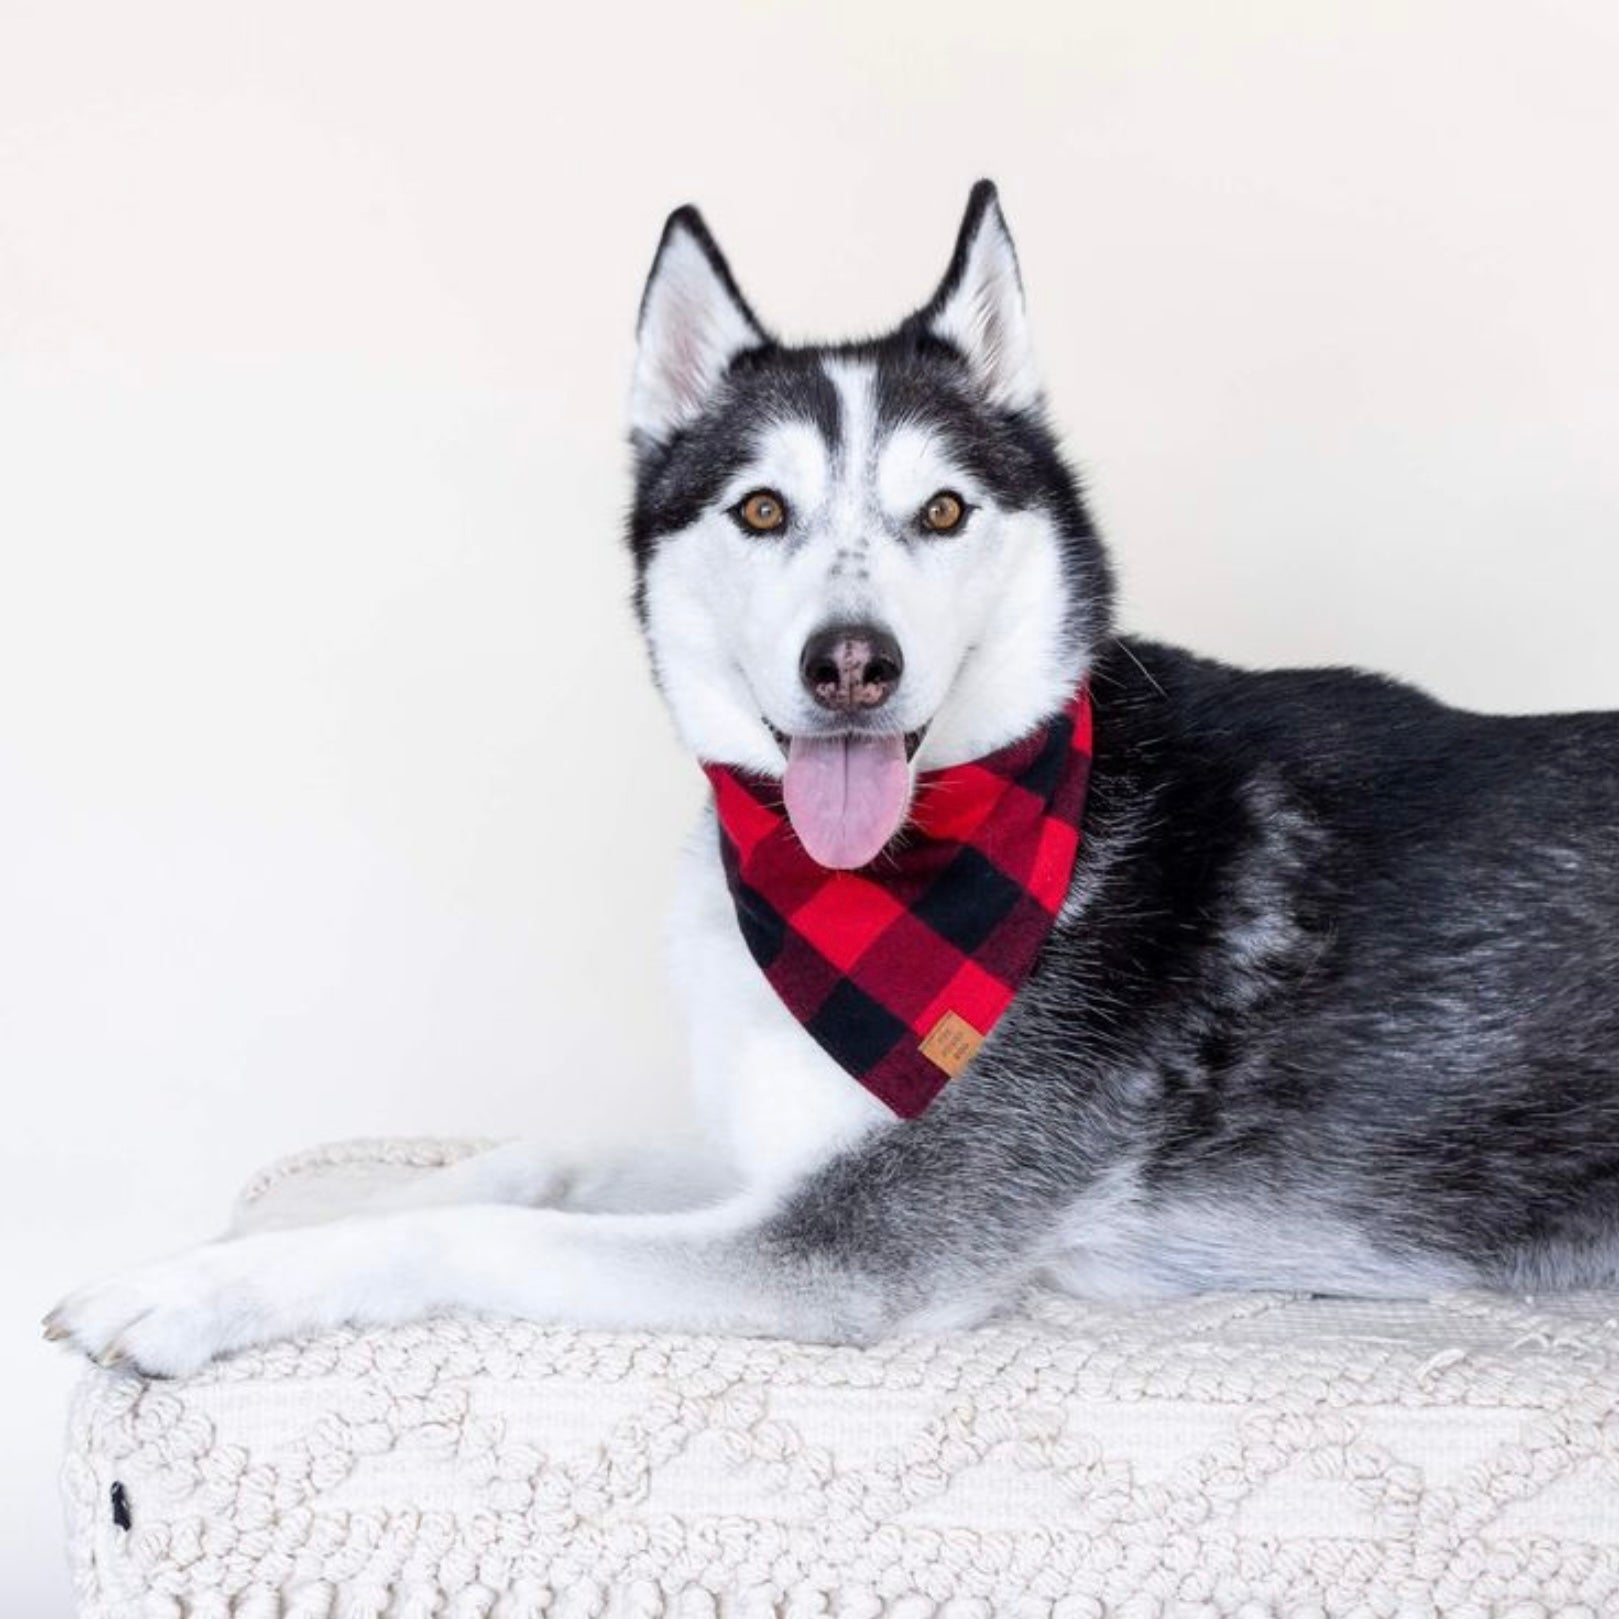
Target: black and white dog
[[1329, 999]]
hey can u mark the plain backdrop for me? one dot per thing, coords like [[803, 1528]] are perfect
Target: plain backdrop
[[334, 798]]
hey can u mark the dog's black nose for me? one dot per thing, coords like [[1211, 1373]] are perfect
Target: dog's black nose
[[851, 667]]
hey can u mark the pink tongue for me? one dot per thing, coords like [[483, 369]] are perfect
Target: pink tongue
[[846, 795]]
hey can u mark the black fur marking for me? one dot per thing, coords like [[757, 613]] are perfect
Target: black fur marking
[[678, 480], [920, 380], [924, 383]]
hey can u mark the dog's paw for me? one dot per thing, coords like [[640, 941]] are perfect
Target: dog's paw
[[169, 1319]]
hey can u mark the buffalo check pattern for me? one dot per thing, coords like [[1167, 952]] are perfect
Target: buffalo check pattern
[[899, 970]]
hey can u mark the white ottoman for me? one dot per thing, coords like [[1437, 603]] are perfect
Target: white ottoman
[[1241, 1455]]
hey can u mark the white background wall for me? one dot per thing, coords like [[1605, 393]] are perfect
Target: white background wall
[[333, 796]]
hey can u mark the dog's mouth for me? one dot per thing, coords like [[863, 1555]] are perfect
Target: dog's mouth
[[911, 739], [847, 793]]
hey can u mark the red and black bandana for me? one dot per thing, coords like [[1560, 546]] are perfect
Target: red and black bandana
[[900, 969]]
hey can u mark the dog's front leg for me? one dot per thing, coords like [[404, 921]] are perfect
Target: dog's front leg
[[710, 1270]]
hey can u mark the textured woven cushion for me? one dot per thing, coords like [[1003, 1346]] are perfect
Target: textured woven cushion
[[1243, 1455]]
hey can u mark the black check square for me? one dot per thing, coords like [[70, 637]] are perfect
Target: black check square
[[1004, 953], [1046, 771], [855, 1029], [764, 930], [970, 904]]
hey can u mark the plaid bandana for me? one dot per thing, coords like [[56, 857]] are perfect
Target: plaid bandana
[[901, 969]]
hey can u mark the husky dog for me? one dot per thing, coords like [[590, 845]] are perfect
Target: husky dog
[[1331, 1003]]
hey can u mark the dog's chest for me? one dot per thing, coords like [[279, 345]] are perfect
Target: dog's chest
[[764, 1087]]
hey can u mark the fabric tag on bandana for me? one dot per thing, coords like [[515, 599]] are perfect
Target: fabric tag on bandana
[[951, 1044], [902, 969]]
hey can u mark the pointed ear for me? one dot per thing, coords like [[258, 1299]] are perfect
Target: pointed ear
[[979, 306], [693, 323]]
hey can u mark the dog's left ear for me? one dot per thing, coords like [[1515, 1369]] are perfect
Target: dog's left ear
[[978, 308], [694, 322]]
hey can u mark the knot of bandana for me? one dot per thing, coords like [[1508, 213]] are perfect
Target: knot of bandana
[[899, 970]]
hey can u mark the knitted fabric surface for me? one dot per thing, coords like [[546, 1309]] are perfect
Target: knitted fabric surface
[[1224, 1455], [899, 970]]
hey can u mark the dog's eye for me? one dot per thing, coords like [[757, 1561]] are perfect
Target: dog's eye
[[763, 511], [944, 513]]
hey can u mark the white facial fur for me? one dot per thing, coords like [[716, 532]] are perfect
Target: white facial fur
[[979, 615]]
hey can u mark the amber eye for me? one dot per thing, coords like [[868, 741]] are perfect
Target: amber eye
[[944, 513], [762, 511]]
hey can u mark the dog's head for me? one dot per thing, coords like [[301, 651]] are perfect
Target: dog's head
[[858, 560]]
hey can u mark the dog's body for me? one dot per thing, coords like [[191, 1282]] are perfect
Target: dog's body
[[1331, 1005]]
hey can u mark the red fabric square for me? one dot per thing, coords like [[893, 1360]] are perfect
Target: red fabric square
[[1084, 743], [952, 804], [845, 915], [746, 821], [907, 966], [1053, 870], [972, 994], [1013, 836], [906, 1081], [802, 977]]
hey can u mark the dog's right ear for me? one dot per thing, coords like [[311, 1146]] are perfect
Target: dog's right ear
[[694, 322]]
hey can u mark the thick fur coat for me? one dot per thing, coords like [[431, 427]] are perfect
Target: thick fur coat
[[1332, 1004]]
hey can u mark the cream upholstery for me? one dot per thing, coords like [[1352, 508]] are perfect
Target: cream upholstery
[[1224, 1455]]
